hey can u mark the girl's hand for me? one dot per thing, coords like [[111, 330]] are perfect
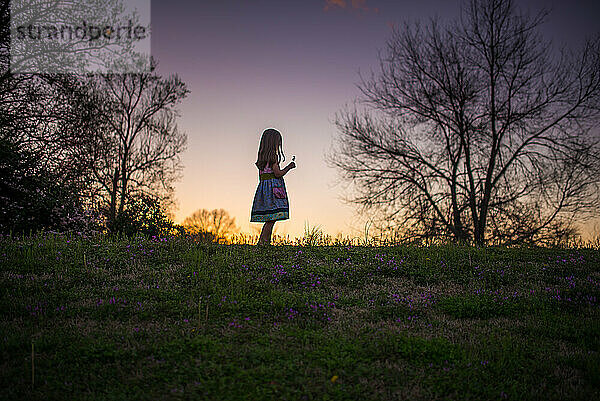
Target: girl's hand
[[292, 165]]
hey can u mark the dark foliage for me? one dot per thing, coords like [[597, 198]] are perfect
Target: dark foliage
[[144, 215], [34, 198]]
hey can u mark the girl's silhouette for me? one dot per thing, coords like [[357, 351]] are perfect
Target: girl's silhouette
[[270, 200]]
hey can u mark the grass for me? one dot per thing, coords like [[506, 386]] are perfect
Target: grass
[[169, 318]]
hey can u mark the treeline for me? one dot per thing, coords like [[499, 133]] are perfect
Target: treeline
[[88, 152], [83, 153], [95, 153]]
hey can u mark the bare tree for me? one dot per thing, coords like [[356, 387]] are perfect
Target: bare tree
[[217, 222], [139, 151], [476, 131]]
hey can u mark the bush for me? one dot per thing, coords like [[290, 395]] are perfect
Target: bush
[[33, 198], [144, 215]]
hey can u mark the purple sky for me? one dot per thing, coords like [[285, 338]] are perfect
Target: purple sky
[[291, 65]]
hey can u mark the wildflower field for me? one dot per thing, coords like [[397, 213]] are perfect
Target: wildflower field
[[169, 318]]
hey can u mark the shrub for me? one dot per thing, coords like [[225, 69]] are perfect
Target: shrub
[[34, 198], [144, 215]]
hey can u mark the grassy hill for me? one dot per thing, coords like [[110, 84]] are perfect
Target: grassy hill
[[168, 318]]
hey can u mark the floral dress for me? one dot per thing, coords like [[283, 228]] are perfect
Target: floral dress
[[270, 200]]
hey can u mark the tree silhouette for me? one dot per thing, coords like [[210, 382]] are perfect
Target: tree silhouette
[[138, 152], [475, 131], [218, 222], [115, 132], [111, 136]]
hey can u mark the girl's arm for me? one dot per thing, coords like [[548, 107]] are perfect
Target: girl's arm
[[280, 173]]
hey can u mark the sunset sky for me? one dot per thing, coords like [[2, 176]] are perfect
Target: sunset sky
[[290, 65]]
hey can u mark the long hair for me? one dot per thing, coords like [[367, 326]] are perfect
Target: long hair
[[270, 150]]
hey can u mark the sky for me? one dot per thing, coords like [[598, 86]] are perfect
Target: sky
[[289, 65]]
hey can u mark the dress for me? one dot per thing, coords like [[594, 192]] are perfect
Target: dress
[[270, 200]]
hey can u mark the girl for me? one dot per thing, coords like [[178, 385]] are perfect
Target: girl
[[270, 200]]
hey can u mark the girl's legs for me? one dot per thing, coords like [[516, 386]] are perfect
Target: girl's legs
[[265, 234]]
